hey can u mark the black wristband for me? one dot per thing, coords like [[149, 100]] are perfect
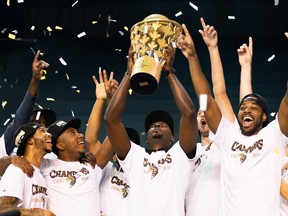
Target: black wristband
[[167, 72]]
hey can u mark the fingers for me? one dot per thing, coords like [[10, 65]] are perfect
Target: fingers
[[101, 76], [251, 45], [36, 57], [95, 80], [185, 30], [111, 75], [203, 23]]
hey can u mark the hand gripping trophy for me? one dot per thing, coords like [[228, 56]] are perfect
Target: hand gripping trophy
[[149, 39]]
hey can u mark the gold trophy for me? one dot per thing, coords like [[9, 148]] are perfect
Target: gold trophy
[[149, 39]]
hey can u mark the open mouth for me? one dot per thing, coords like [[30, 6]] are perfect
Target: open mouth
[[247, 121], [203, 122]]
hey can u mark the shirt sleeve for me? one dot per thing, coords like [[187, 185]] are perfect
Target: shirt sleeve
[[22, 116]]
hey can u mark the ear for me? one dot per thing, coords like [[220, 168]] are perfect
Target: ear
[[30, 141], [172, 140], [60, 146], [264, 117]]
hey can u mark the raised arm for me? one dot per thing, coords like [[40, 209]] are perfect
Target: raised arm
[[201, 85], [114, 127], [210, 37], [188, 123], [283, 113], [245, 54], [94, 121], [25, 109]]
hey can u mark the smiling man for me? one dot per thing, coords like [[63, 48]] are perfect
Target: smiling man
[[17, 190]]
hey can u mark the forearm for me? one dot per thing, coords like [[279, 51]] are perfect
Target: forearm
[[22, 116], [33, 87], [284, 189], [245, 80], [200, 83], [105, 153], [94, 125]]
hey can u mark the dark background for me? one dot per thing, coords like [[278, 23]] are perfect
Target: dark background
[[103, 46]]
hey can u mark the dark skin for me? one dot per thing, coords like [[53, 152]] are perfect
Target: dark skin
[[187, 125]]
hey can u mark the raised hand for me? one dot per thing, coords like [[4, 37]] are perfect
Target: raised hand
[[186, 44], [245, 53], [170, 52], [100, 86], [209, 34], [38, 66]]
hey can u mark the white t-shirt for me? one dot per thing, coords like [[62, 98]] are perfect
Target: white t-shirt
[[158, 181], [114, 192], [73, 187], [283, 202], [203, 196], [251, 170], [32, 192], [2, 147]]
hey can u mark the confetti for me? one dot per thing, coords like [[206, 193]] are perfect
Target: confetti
[[81, 34], [118, 50], [3, 30], [4, 103], [50, 99], [130, 91], [8, 3], [33, 50], [72, 112], [273, 114], [94, 22], [78, 91], [32, 27], [20, 1], [126, 28], [49, 28], [62, 61], [6, 122], [38, 115], [12, 115], [193, 6], [178, 14], [203, 102], [231, 17], [74, 87], [74, 3], [58, 28], [67, 76], [15, 31], [276, 2], [121, 33], [11, 36], [43, 77], [271, 58]]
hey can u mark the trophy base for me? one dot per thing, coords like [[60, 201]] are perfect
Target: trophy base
[[143, 83], [145, 75]]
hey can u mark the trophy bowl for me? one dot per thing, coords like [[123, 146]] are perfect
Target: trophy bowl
[[150, 39]]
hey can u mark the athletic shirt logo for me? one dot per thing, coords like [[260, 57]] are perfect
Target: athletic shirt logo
[[154, 168]]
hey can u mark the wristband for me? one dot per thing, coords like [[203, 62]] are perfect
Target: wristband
[[167, 72]]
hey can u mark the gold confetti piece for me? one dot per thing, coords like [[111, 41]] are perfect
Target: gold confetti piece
[[67, 76], [8, 3], [4, 103], [130, 91], [276, 150], [94, 22], [50, 99], [49, 29], [11, 36], [78, 90], [126, 28], [118, 50], [43, 77], [58, 28], [44, 72]]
